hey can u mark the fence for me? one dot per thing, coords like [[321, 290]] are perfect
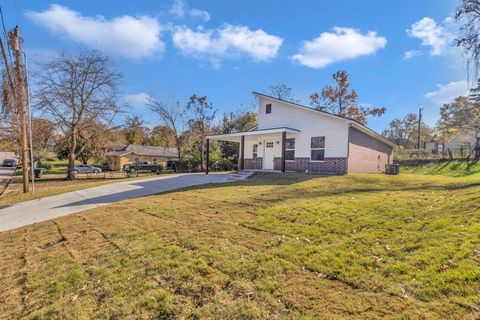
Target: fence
[[454, 153]]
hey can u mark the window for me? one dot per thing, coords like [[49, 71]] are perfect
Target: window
[[269, 144], [137, 160], [155, 160], [255, 152], [317, 147], [290, 149], [268, 108]]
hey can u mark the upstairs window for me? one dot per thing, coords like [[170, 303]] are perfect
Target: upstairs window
[[317, 147], [268, 108], [255, 152], [290, 149]]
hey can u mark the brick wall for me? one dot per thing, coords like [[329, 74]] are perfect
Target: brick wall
[[331, 166], [251, 164]]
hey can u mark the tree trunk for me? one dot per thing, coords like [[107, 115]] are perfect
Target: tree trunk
[[477, 147], [71, 157]]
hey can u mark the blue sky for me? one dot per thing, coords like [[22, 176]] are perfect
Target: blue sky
[[398, 53]]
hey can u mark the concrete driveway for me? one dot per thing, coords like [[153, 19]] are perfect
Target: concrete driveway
[[29, 212], [6, 174]]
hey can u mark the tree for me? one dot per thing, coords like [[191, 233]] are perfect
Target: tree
[[234, 122], [403, 132], [341, 101], [201, 114], [468, 17], [43, 131], [462, 114], [162, 136], [282, 91], [172, 115], [78, 92], [135, 132]]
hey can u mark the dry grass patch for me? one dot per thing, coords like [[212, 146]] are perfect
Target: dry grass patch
[[274, 246]]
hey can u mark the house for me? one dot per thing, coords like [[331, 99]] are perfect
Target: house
[[294, 137], [461, 144], [132, 153]]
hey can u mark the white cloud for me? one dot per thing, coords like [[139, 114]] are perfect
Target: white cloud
[[411, 54], [432, 35], [178, 8], [226, 42], [197, 13], [339, 45], [447, 92], [127, 36], [136, 100]]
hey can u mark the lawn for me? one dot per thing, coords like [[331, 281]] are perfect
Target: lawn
[[454, 168], [273, 246]]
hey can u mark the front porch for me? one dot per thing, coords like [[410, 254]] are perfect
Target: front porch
[[260, 149]]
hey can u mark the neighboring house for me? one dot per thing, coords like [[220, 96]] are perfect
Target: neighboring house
[[137, 154], [293, 137], [7, 155], [462, 143]]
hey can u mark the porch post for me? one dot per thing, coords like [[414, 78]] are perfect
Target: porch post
[[284, 138], [242, 152], [207, 155]]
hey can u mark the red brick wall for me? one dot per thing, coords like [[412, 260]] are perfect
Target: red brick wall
[[251, 164], [366, 154], [331, 166]]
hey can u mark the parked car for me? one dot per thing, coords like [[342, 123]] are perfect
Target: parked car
[[142, 167], [9, 163], [85, 168], [102, 166]]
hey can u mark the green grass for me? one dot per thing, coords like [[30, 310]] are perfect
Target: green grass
[[288, 246], [454, 168]]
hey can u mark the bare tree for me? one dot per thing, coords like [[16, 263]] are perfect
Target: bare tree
[[172, 115], [282, 91], [78, 92], [468, 17]]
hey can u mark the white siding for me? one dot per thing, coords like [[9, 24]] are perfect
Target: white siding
[[251, 140], [311, 124]]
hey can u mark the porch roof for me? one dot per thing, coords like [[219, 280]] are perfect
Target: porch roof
[[235, 137]]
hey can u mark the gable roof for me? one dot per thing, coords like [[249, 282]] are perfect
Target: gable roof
[[353, 123], [145, 151]]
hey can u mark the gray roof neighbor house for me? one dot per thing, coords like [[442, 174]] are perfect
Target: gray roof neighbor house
[[145, 151]]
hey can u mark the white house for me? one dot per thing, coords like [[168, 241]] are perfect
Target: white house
[[293, 137], [461, 144]]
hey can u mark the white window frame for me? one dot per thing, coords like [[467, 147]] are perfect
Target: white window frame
[[254, 153], [311, 149], [286, 149]]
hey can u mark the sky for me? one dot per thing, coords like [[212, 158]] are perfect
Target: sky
[[399, 54]]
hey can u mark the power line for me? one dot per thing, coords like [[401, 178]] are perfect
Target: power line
[[5, 33]]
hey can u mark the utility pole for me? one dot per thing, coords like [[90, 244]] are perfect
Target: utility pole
[[419, 126], [29, 110], [14, 43]]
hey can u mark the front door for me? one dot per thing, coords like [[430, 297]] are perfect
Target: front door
[[268, 155]]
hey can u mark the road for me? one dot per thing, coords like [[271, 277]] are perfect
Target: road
[[47, 208]]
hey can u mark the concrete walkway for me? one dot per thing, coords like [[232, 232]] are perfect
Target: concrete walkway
[[6, 174], [29, 212]]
